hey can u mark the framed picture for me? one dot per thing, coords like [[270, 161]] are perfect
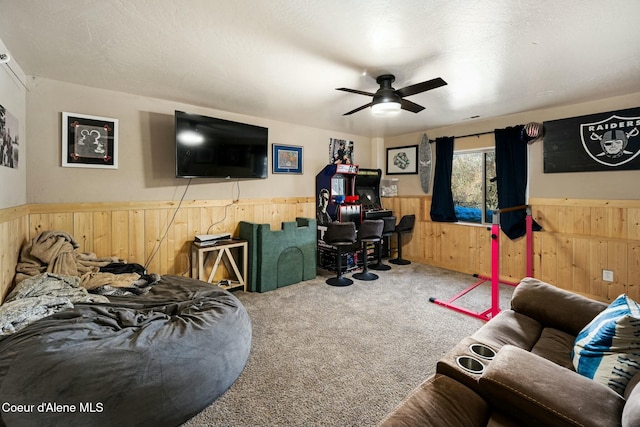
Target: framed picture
[[89, 141], [402, 160], [287, 159], [9, 139], [340, 151]]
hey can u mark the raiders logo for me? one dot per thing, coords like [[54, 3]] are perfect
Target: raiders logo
[[613, 141]]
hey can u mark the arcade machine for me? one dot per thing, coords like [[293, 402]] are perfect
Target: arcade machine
[[337, 201], [368, 191]]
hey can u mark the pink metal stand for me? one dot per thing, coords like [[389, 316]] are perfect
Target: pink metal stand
[[495, 268]]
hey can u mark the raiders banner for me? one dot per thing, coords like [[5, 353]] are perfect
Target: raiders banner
[[597, 142]]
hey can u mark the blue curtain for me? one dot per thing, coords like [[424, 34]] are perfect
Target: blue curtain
[[442, 198], [511, 178]]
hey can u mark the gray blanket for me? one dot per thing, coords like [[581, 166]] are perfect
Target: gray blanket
[[41, 296]]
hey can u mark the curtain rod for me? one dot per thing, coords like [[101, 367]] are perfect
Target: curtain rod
[[466, 136]]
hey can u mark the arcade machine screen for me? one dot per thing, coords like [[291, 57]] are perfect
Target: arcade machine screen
[[368, 198], [338, 183]]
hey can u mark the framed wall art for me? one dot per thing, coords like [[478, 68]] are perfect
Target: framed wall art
[[89, 141], [287, 159], [402, 160], [340, 151], [9, 139]]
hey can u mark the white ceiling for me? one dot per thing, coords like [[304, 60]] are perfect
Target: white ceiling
[[283, 59]]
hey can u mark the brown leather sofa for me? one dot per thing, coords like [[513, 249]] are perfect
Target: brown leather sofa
[[530, 381]]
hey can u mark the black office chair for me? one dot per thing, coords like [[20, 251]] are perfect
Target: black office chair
[[340, 235], [387, 232], [405, 226], [370, 231]]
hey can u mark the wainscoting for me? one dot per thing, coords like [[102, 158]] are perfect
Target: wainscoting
[[139, 232], [14, 232], [579, 237]]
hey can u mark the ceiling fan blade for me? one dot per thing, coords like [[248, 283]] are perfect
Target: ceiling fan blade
[[421, 87], [358, 109], [410, 106], [359, 92]]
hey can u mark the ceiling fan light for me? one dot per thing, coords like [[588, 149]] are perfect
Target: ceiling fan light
[[385, 108]]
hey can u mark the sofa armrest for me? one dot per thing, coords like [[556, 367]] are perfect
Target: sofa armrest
[[554, 307], [537, 392], [439, 401]]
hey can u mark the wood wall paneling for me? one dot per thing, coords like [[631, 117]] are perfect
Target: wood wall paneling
[[633, 223], [157, 235], [633, 270], [14, 233], [579, 237]]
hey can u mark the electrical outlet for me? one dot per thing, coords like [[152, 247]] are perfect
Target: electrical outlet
[[607, 275]]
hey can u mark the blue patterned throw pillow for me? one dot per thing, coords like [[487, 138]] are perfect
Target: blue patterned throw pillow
[[607, 350]]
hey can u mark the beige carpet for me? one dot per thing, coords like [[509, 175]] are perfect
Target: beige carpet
[[330, 356]]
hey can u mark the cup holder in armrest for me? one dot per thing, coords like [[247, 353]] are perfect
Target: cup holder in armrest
[[467, 361], [470, 364], [482, 351]]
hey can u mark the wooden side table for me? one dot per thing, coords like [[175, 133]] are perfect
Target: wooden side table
[[200, 253]]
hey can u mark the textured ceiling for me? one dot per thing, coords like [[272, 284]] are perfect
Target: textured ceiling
[[283, 59]]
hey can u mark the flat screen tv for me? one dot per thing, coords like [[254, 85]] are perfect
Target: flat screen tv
[[208, 147]]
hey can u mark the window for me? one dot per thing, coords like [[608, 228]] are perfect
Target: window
[[473, 184]]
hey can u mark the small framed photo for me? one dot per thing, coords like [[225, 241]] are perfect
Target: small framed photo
[[287, 159], [89, 141], [402, 160]]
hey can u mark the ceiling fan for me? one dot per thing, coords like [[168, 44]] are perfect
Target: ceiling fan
[[387, 99]]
